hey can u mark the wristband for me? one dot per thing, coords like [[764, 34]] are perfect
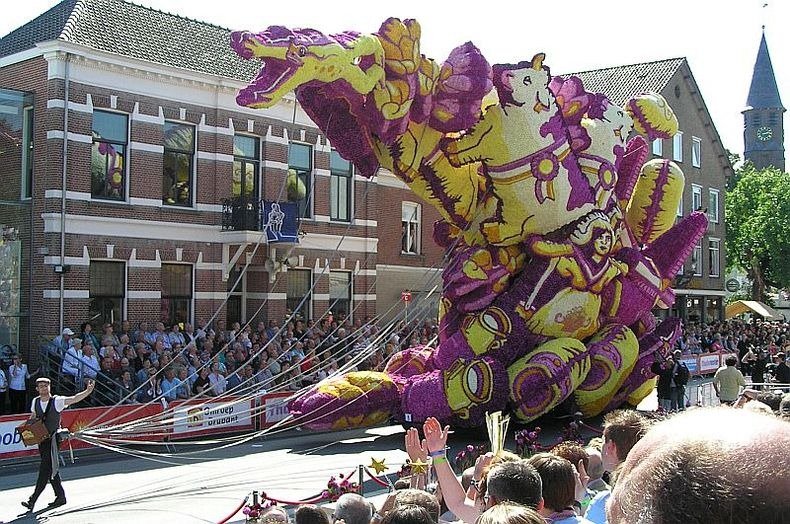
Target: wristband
[[437, 453], [439, 459]]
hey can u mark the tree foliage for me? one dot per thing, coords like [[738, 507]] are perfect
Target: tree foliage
[[758, 226]]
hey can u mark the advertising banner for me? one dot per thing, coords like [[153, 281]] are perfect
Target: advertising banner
[[274, 408], [193, 417], [11, 444], [691, 363], [709, 363]]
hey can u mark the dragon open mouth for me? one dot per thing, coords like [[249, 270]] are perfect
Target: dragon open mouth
[[260, 92]]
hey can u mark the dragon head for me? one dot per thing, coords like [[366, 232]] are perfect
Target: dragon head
[[284, 53]]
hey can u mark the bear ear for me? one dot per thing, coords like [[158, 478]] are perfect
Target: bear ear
[[537, 61]]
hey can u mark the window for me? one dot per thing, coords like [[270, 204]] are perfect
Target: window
[[713, 206], [108, 155], [178, 164], [410, 228], [299, 183], [679, 211], [677, 147], [696, 197], [27, 156], [696, 260], [340, 293], [176, 293], [107, 285], [696, 152], [657, 146], [713, 257], [298, 293], [246, 155], [341, 176]]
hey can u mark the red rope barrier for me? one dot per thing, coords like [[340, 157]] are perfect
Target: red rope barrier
[[317, 498], [376, 479], [238, 508]]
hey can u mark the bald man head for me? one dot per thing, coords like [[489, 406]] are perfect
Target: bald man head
[[706, 465]]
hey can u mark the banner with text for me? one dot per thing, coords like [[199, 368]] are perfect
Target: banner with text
[[192, 417]]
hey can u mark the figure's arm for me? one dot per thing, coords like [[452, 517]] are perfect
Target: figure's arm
[[547, 248], [68, 401], [453, 492]]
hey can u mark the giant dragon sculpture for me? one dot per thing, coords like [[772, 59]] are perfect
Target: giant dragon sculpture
[[562, 234]]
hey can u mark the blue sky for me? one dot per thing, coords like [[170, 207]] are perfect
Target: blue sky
[[719, 38]]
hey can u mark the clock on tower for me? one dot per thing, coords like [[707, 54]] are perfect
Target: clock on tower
[[764, 133]]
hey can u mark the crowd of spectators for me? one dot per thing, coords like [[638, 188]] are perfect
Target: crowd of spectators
[[761, 347], [149, 361]]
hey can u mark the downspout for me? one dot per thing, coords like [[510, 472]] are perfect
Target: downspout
[[63, 191]]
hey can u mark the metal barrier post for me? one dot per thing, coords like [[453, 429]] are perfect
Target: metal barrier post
[[360, 480]]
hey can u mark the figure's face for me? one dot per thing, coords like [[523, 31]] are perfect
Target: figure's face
[[619, 121], [530, 86], [603, 243]]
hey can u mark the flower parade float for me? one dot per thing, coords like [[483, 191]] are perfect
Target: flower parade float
[[560, 232]]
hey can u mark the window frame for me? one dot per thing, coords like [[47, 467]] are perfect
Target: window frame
[[304, 210], [406, 230], [28, 143], [94, 263], [244, 160], [190, 299], [696, 191], [349, 298], [336, 177], [125, 155], [698, 254], [679, 210], [696, 152], [714, 217], [192, 165], [657, 147], [677, 147], [711, 249], [290, 300]]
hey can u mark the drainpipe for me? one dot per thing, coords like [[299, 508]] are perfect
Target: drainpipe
[[63, 191]]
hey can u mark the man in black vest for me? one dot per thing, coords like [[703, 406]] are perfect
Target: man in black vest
[[48, 408]]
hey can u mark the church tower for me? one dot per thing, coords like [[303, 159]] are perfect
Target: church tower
[[763, 126]]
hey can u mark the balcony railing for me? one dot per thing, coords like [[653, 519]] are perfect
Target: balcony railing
[[242, 214]]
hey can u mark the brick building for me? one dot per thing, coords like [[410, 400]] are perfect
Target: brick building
[[163, 176]]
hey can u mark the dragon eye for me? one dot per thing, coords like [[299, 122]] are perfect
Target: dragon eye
[[527, 80], [302, 50]]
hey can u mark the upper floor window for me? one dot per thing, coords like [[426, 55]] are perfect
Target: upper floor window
[[410, 228], [696, 260], [677, 147], [246, 162], [679, 211], [696, 197], [179, 164], [299, 182], [108, 155], [340, 183], [696, 152], [713, 257], [713, 206], [658, 146]]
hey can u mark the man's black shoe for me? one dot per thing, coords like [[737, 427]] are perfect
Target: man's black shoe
[[28, 504], [57, 502]]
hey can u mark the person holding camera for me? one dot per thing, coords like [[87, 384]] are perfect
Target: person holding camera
[[47, 408]]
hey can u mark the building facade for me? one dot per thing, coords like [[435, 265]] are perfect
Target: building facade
[[698, 151], [134, 186]]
